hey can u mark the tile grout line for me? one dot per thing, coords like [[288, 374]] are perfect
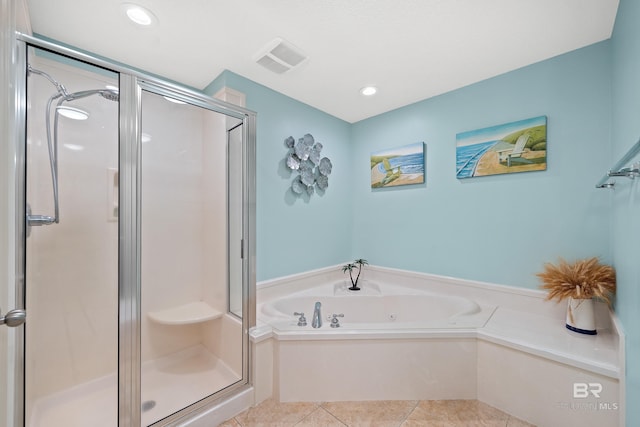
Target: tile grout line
[[320, 407], [336, 418], [334, 415], [347, 425], [409, 414], [412, 411], [307, 415]]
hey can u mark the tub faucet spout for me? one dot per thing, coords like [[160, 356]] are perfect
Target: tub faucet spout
[[317, 317]]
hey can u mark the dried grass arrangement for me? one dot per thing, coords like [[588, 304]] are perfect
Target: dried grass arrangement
[[585, 278]]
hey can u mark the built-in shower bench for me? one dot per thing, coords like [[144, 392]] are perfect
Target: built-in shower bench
[[185, 314]]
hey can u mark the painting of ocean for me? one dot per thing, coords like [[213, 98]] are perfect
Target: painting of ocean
[[398, 166], [508, 148]]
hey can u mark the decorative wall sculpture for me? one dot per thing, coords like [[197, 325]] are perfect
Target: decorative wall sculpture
[[304, 158]]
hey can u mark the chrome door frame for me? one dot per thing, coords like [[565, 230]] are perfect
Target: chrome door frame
[[129, 253], [13, 113], [132, 82], [248, 118]]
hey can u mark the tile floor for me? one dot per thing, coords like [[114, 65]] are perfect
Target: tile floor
[[405, 413]]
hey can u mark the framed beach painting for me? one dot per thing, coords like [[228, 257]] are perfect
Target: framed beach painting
[[398, 166], [508, 148]]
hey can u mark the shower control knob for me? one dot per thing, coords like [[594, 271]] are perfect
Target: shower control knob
[[13, 318]]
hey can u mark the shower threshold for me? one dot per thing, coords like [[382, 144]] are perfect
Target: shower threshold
[[168, 385]]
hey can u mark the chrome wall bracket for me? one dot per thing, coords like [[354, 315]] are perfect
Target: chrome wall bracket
[[618, 170], [628, 172]]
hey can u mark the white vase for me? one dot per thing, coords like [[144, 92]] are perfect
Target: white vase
[[580, 316]]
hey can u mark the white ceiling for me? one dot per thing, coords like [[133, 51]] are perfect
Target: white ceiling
[[410, 49]]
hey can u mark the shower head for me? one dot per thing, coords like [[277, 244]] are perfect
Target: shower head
[[111, 95]]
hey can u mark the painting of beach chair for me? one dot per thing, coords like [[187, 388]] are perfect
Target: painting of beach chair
[[508, 148], [514, 153], [398, 166]]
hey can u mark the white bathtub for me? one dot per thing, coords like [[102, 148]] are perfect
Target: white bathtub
[[375, 307], [451, 339]]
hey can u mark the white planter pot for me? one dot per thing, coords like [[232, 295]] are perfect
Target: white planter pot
[[580, 316]]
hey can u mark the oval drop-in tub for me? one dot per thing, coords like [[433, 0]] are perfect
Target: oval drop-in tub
[[375, 307]]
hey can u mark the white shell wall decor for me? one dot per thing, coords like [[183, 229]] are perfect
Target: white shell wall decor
[[304, 157], [325, 166], [293, 162], [297, 186], [315, 153], [322, 182]]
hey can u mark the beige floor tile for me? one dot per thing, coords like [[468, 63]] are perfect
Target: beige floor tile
[[386, 413], [433, 411], [427, 423], [449, 413], [273, 414], [487, 415], [415, 422], [516, 422], [320, 418], [230, 423]]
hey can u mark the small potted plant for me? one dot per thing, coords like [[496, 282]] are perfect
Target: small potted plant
[[357, 264], [579, 282]]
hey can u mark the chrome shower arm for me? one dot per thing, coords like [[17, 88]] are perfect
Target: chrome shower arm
[[59, 87]]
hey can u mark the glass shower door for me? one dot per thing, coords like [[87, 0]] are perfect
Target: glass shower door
[[71, 336], [191, 346], [128, 225]]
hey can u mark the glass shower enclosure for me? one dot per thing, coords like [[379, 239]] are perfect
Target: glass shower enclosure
[[138, 245]]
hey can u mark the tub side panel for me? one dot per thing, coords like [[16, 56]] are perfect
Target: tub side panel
[[376, 370], [263, 370], [541, 391]]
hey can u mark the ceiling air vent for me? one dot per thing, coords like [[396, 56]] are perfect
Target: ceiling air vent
[[279, 56]]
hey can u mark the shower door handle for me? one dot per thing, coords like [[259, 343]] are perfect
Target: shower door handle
[[13, 318]]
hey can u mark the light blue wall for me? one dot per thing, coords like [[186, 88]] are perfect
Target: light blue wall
[[499, 229], [625, 45], [295, 234]]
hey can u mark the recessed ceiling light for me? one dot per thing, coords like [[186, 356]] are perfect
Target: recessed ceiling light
[[72, 113], [138, 14], [369, 90]]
